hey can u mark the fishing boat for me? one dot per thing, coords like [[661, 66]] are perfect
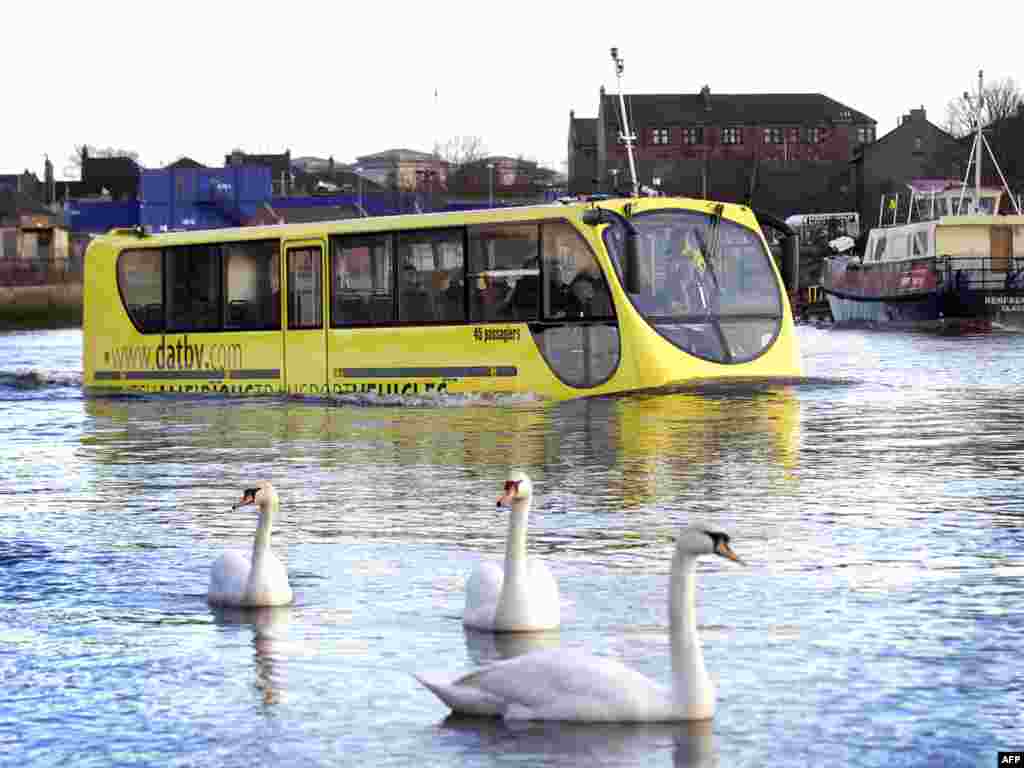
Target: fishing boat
[[950, 259]]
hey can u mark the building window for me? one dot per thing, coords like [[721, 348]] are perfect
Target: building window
[[693, 136], [865, 134], [918, 145], [845, 116], [772, 135], [815, 135], [660, 136], [732, 135]]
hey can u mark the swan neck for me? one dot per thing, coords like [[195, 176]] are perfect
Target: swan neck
[[515, 542], [691, 685], [514, 599], [261, 544]]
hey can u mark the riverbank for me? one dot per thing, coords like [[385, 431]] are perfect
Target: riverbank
[[35, 307]]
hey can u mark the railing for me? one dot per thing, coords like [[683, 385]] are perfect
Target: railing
[[915, 276]]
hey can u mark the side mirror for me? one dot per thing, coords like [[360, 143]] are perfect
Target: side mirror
[[632, 265], [791, 262]]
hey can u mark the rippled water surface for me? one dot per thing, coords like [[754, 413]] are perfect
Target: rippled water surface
[[879, 505]]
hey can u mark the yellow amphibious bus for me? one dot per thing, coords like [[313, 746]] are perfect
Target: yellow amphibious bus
[[560, 300]]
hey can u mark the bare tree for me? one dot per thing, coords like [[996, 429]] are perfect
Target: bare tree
[[460, 150], [74, 165], [999, 99]]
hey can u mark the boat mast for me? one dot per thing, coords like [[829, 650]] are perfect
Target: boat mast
[[626, 136], [978, 139]]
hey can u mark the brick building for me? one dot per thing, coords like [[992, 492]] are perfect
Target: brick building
[[582, 155], [915, 149], [790, 149]]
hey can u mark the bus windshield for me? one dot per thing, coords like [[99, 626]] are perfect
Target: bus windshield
[[706, 283]]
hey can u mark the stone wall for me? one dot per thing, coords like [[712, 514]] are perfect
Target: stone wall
[[25, 307]]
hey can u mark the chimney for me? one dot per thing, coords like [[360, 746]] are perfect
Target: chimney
[[705, 97], [917, 114]]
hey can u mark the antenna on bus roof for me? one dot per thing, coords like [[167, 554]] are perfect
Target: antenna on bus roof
[[625, 136]]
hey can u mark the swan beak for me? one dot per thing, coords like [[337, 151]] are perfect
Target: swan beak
[[723, 549], [248, 497], [511, 489]]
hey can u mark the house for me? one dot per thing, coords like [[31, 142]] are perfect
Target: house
[[34, 244], [26, 183], [404, 169], [280, 165], [582, 155], [915, 149], [779, 147]]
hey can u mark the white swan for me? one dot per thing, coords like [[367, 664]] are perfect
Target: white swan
[[241, 581], [522, 596], [568, 685]]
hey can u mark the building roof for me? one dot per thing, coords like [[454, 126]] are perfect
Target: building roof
[[278, 164], [719, 108], [915, 120], [398, 155], [185, 162]]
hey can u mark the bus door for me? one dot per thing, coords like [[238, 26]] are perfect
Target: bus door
[[305, 334]]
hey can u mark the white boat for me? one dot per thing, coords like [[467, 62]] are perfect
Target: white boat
[[951, 258]]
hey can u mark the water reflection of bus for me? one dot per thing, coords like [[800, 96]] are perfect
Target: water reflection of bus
[[558, 300], [648, 446]]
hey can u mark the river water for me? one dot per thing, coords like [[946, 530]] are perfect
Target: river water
[[879, 505]]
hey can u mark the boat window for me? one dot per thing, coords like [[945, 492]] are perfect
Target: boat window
[[706, 284], [962, 207], [919, 246], [430, 275], [251, 285], [193, 277], [305, 305], [140, 280], [361, 274], [575, 286], [504, 272], [879, 249]]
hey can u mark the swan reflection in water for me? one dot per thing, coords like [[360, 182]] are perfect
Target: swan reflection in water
[[487, 647], [691, 743], [269, 640]]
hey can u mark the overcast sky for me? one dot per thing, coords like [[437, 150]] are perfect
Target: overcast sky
[[352, 78]]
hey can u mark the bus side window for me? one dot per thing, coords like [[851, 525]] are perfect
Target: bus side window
[[503, 259], [429, 263], [251, 286], [575, 286], [140, 279], [193, 287], [361, 277]]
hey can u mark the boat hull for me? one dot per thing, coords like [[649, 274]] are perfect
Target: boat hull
[[920, 313], [921, 295]]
